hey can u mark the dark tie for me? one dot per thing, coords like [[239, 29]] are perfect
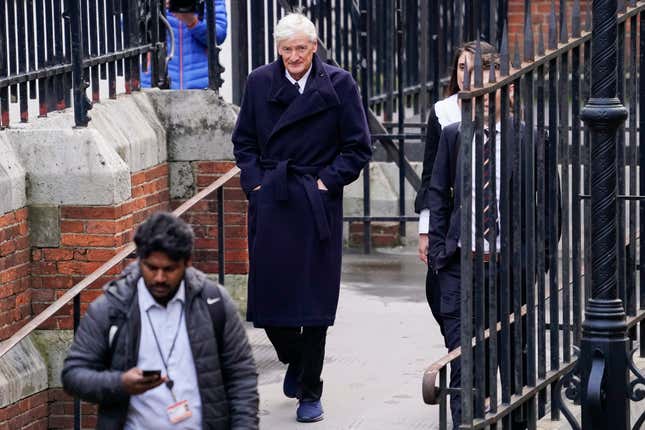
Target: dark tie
[[295, 84], [490, 203]]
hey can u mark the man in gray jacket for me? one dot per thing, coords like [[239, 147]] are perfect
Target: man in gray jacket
[[164, 347]]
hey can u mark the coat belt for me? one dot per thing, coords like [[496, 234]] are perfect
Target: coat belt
[[306, 176]]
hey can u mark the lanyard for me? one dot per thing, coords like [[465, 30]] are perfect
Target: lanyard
[[169, 382]]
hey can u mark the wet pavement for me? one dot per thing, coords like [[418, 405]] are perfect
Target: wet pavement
[[383, 340]]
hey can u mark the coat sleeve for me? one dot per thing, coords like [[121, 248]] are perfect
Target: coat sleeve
[[84, 370], [200, 31], [433, 133], [245, 143], [439, 194], [355, 145], [239, 371]]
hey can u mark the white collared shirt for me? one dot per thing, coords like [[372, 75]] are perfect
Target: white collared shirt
[[148, 410], [302, 81], [498, 182]]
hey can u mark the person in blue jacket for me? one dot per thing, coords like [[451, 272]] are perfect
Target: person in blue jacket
[[188, 69]]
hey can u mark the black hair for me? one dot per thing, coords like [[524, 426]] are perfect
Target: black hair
[[164, 232], [489, 54]]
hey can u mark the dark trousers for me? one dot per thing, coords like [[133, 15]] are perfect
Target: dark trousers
[[304, 347], [445, 304]]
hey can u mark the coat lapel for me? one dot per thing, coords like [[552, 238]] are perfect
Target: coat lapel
[[319, 95]]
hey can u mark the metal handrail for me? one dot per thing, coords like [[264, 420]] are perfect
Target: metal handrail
[[51, 310]]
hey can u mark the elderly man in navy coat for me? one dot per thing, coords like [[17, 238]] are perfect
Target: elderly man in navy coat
[[300, 137]]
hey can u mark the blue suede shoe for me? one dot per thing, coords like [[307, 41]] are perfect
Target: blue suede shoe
[[290, 384], [310, 412]]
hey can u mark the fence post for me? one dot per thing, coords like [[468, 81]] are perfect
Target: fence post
[[81, 103], [604, 347], [239, 47], [215, 69]]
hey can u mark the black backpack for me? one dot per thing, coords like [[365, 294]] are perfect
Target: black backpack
[[217, 311]]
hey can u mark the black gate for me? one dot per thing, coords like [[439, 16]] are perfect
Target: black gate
[[576, 245]]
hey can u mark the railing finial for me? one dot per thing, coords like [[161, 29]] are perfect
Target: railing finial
[[575, 19], [540, 41], [528, 33], [504, 58], [466, 86], [479, 72], [553, 44], [588, 20]]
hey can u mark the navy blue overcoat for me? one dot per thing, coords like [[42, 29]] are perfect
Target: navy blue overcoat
[[285, 141]]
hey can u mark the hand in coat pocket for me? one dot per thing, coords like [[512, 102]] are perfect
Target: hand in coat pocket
[[321, 185]]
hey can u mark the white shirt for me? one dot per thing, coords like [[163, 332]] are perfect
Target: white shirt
[[448, 112], [498, 181], [148, 410], [301, 82]]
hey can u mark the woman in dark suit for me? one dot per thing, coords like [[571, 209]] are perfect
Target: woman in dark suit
[[442, 114]]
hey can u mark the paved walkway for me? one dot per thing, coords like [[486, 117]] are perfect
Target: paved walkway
[[383, 340]]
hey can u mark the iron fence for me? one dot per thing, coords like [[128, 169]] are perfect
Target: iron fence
[[57, 51], [526, 344]]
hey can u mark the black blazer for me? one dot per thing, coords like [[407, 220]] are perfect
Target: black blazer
[[433, 133], [445, 209]]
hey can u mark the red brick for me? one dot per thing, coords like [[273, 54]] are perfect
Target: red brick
[[234, 243], [156, 172], [86, 240], [8, 219], [7, 248], [99, 254], [57, 282], [71, 226], [215, 167], [138, 178], [88, 212], [42, 295], [56, 254], [77, 267], [101, 227]]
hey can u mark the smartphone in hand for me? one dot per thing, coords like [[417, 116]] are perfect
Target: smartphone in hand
[[156, 373]]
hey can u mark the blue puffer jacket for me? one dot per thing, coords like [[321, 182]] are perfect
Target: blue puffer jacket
[[188, 69]]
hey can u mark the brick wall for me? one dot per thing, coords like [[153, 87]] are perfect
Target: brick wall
[[30, 413], [61, 411], [89, 236], [15, 295], [540, 11], [203, 218]]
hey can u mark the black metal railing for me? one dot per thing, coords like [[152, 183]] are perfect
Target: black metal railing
[[530, 330], [53, 49]]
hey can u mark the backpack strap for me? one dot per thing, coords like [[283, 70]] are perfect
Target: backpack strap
[[215, 304]]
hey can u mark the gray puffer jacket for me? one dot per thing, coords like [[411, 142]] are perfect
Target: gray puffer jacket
[[227, 379]]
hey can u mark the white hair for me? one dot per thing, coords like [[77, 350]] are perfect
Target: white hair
[[292, 25]]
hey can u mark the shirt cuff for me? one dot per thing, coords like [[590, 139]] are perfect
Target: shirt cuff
[[424, 221]]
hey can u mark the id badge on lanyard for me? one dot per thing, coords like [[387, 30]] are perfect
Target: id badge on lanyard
[[180, 410]]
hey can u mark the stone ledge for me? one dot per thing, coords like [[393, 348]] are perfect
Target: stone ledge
[[12, 179], [23, 372]]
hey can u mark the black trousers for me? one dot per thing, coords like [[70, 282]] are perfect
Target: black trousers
[[445, 303], [304, 347]]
